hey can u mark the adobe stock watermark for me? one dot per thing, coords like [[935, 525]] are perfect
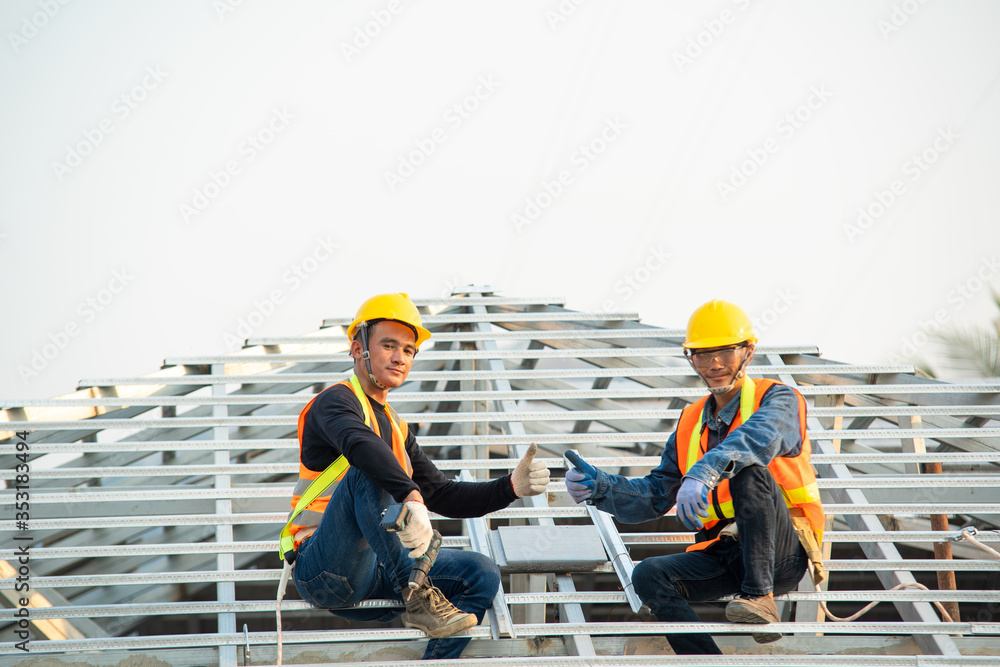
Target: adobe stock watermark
[[913, 170], [561, 12], [33, 24], [634, 280], [247, 152], [556, 185], [365, 34], [86, 311], [958, 296], [899, 16], [291, 279], [712, 30], [988, 614], [121, 108], [223, 7], [453, 118], [783, 301], [786, 127]]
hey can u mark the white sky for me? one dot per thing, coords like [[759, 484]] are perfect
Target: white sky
[[886, 79]]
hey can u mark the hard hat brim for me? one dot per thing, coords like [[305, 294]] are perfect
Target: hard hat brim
[[421, 333], [396, 307], [719, 341]]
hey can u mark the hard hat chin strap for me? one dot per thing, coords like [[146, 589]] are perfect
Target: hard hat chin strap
[[721, 391], [363, 330]]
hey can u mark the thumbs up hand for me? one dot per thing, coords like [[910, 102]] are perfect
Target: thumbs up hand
[[530, 477], [581, 478]]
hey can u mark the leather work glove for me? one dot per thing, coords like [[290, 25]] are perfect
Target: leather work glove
[[581, 478], [530, 477], [692, 503], [417, 533]]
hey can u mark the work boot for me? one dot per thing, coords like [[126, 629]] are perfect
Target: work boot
[[429, 610], [755, 609]]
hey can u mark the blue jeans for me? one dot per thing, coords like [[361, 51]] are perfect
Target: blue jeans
[[766, 558], [350, 558]]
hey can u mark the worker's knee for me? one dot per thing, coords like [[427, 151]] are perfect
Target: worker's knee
[[642, 579], [652, 581], [475, 584], [466, 573], [487, 579]]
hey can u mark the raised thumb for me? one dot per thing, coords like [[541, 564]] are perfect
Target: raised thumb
[[573, 457], [530, 455]]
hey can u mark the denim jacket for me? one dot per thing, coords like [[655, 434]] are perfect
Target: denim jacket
[[771, 431]]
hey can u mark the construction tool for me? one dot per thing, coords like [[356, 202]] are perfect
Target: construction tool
[[394, 519]]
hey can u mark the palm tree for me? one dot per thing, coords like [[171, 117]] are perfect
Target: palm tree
[[973, 349]]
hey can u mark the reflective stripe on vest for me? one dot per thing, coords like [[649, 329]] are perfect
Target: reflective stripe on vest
[[314, 489], [793, 474]]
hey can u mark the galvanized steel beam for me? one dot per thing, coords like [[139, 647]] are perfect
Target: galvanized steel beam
[[878, 551], [482, 317], [204, 379], [581, 646], [527, 629]]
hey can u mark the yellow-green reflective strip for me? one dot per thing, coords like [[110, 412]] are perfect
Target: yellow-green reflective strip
[[804, 494], [727, 511], [362, 399], [333, 472], [693, 445], [285, 544], [747, 396]]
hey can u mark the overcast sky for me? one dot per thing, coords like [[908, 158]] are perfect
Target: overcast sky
[[170, 169]]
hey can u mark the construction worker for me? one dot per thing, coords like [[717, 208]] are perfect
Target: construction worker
[[341, 554], [737, 469]]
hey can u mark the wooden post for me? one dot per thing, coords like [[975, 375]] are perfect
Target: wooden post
[[942, 550]]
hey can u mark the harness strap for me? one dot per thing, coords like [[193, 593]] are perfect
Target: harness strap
[[333, 472]]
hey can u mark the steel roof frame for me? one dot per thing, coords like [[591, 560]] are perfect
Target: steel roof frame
[[198, 480]]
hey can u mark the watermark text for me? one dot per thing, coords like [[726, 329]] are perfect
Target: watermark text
[[913, 170]]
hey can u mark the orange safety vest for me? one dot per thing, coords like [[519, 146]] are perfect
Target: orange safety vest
[[794, 474], [307, 521]]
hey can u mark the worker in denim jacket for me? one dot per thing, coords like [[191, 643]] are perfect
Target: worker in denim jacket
[[737, 469]]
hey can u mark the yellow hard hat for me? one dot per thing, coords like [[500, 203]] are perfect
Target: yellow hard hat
[[396, 307], [718, 323]]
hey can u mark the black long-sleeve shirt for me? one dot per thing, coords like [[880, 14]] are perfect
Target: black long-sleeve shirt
[[335, 425]]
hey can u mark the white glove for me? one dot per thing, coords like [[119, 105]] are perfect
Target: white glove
[[530, 477], [417, 534]]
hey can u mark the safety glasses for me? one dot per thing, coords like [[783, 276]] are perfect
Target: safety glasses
[[725, 355]]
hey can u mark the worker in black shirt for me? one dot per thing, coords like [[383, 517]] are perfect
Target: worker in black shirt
[[341, 555]]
